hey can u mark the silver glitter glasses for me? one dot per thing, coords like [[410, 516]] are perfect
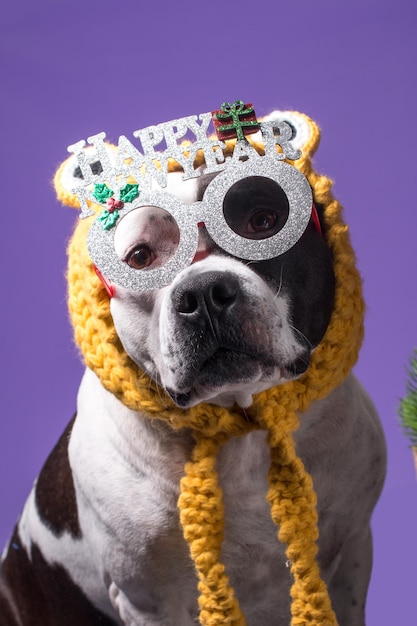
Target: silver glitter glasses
[[255, 209]]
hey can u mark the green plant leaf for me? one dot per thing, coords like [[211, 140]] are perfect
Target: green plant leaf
[[408, 405]]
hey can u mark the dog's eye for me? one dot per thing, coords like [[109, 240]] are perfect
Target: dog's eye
[[146, 238], [256, 207], [140, 257], [262, 221]]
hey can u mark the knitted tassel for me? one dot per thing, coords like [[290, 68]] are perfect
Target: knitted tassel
[[293, 509], [202, 519]]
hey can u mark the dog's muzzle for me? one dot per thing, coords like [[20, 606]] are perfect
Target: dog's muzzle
[[220, 336]]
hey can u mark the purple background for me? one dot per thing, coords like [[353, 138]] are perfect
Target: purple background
[[71, 68]]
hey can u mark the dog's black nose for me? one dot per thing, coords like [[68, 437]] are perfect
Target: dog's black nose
[[209, 293]]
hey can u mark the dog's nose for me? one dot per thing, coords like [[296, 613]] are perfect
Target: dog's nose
[[210, 293]]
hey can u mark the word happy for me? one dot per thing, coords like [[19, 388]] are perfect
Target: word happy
[[146, 163]]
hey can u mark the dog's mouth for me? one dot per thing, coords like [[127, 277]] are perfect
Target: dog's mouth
[[228, 371], [183, 400]]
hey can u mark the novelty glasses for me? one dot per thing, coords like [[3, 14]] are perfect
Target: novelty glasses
[[254, 210]]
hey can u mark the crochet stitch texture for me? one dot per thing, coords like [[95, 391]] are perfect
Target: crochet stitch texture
[[291, 493]]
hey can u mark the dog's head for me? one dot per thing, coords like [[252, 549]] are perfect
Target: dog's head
[[224, 329], [227, 322]]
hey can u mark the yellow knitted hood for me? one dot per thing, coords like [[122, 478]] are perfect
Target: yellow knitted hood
[[275, 410]]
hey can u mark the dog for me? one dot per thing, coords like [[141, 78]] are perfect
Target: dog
[[99, 540]]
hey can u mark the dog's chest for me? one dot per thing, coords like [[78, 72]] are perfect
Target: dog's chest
[[127, 477]]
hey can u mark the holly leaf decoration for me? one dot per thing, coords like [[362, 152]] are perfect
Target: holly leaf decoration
[[102, 192], [129, 192], [108, 219]]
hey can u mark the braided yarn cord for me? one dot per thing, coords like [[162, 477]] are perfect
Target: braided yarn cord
[[291, 493], [203, 530]]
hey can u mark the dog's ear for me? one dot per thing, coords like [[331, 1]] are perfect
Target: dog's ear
[[69, 176], [305, 132]]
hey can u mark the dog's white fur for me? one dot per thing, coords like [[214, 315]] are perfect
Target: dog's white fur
[[131, 560]]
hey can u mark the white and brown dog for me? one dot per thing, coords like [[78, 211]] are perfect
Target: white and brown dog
[[99, 540]]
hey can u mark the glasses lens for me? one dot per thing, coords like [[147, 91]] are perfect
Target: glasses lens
[[256, 207], [146, 238]]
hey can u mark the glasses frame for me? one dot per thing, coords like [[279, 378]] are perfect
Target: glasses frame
[[209, 211]]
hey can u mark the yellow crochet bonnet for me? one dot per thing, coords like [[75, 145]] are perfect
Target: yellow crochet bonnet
[[291, 493]]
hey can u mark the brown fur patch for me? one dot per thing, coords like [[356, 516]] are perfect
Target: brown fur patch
[[41, 593], [55, 493]]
